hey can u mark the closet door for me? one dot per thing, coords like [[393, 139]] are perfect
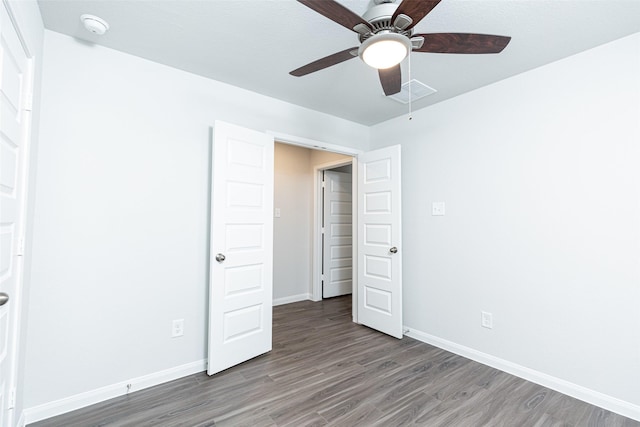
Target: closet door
[[380, 241], [337, 270]]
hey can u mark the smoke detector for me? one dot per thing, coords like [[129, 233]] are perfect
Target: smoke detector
[[94, 24]]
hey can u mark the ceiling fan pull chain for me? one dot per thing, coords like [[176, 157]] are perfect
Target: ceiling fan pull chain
[[409, 87]]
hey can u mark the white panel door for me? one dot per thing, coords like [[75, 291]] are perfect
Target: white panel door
[[240, 289], [337, 258], [379, 241], [15, 87]]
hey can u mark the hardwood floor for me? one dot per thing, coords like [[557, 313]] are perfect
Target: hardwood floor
[[326, 370]]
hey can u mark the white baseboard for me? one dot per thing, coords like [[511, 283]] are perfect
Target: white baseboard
[[290, 299], [607, 402], [71, 403]]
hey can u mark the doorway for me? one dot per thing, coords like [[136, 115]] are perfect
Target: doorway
[[298, 217], [241, 287], [336, 275]]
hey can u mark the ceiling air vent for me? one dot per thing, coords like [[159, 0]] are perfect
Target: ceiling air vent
[[414, 88]]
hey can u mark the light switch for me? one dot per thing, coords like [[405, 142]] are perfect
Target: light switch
[[437, 209], [277, 213]]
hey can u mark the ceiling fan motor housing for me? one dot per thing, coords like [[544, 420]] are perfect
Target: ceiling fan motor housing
[[379, 16]]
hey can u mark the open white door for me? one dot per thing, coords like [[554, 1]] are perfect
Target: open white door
[[337, 257], [15, 100], [379, 241], [240, 289]]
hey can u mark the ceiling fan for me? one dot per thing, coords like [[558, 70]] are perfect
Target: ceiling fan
[[386, 37]]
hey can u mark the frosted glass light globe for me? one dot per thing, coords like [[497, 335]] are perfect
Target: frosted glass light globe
[[384, 50]]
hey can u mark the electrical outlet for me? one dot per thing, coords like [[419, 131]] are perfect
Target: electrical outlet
[[177, 328], [487, 320]]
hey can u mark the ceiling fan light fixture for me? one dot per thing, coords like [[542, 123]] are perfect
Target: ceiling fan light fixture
[[384, 50]]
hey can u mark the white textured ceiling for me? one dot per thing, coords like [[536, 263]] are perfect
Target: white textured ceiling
[[254, 44]]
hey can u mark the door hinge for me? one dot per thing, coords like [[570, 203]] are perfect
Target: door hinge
[[20, 251], [323, 184], [322, 230], [28, 103], [12, 399]]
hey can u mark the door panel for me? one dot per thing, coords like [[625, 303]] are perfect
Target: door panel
[[15, 87], [240, 305], [379, 241], [337, 256]]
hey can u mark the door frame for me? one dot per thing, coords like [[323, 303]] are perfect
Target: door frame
[[316, 252], [316, 267]]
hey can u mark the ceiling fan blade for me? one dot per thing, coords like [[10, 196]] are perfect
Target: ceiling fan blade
[[391, 79], [336, 12], [325, 62], [415, 9], [462, 43]]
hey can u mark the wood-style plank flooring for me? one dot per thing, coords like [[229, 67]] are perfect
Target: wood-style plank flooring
[[326, 370]]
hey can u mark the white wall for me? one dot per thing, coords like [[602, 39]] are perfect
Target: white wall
[[292, 234], [319, 157], [120, 228], [541, 178]]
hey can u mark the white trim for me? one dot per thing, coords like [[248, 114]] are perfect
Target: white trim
[[593, 397], [316, 252], [291, 298], [354, 242], [71, 403], [312, 143], [316, 249]]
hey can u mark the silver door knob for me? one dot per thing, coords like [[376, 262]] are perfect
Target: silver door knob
[[393, 250], [220, 257], [4, 298]]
